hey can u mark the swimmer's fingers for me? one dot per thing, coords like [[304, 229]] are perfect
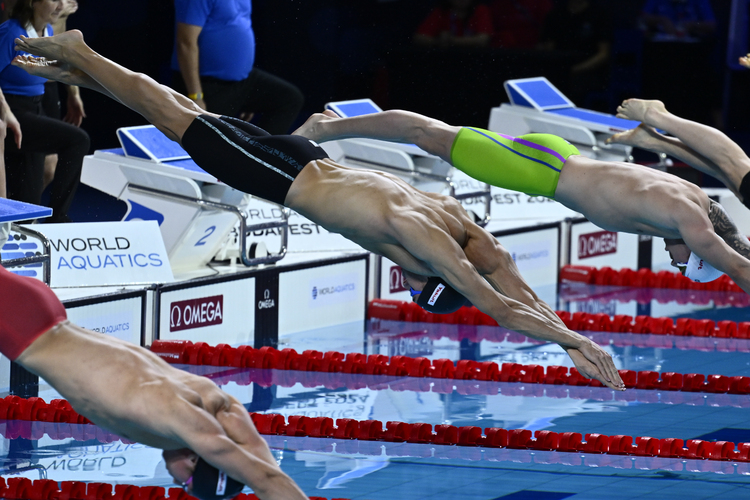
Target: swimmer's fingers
[[603, 361], [589, 370]]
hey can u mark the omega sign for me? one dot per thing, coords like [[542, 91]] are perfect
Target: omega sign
[[267, 302], [594, 244], [196, 313], [396, 280]]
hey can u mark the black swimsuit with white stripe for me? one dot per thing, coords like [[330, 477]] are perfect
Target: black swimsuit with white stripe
[[247, 157]]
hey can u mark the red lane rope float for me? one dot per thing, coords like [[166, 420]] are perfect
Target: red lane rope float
[[396, 310], [34, 428], [18, 488], [643, 278], [493, 437], [200, 353], [526, 455], [644, 339], [333, 381]]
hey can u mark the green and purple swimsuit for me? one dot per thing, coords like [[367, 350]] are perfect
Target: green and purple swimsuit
[[530, 163]]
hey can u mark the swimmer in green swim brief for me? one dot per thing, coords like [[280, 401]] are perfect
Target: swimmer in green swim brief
[[531, 163], [617, 196]]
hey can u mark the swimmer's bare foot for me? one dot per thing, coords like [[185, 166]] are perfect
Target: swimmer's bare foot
[[51, 70], [313, 128], [642, 136], [745, 61], [641, 110], [52, 47]]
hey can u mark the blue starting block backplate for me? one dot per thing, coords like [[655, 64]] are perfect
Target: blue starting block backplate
[[12, 211], [356, 107], [536, 93], [148, 143], [540, 94]]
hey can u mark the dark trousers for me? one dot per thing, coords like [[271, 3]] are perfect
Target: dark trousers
[[276, 101], [42, 136]]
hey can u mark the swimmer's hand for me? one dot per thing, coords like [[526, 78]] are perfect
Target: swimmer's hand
[[745, 61], [592, 362]]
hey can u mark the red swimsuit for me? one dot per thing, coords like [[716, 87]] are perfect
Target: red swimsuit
[[28, 308]]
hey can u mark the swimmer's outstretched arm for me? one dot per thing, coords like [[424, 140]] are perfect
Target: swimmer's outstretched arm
[[436, 247], [230, 442], [431, 135], [496, 265]]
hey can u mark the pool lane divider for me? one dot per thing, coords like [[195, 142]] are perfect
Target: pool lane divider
[[442, 435], [21, 488], [200, 353], [643, 278], [397, 310]]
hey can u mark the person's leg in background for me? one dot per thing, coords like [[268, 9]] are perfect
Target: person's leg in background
[[24, 168], [71, 144], [25, 172], [51, 107], [277, 101]]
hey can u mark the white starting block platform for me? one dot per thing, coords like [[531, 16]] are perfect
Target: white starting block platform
[[537, 106], [196, 213], [421, 169]]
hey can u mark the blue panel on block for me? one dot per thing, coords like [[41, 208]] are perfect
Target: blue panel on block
[[149, 142], [601, 118], [131, 148], [12, 211], [544, 95]]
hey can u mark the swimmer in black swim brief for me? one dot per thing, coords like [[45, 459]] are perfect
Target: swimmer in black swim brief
[[247, 157], [425, 233]]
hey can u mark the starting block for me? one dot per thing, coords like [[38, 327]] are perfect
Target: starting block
[[421, 169], [16, 250], [537, 106], [196, 212]]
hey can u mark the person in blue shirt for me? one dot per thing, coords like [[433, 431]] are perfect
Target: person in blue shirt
[[34, 134], [222, 79]]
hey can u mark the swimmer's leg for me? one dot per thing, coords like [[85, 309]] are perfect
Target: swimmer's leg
[[647, 138], [164, 108], [431, 135], [702, 147]]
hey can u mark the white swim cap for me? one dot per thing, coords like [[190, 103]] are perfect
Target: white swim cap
[[4, 233], [701, 271]]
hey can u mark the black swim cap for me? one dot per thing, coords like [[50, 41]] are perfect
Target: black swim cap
[[439, 297], [209, 483]]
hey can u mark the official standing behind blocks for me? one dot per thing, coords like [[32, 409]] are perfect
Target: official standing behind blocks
[[221, 78]]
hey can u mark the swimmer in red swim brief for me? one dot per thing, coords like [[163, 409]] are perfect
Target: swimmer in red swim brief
[[203, 431], [428, 235]]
